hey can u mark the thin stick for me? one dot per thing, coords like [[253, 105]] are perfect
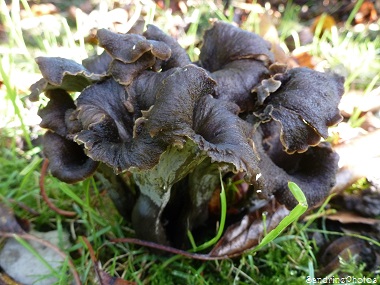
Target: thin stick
[[170, 249], [24, 207], [93, 258], [103, 277], [45, 196]]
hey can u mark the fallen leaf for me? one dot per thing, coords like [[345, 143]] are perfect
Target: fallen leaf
[[248, 232], [356, 99], [24, 267], [43, 9], [324, 22], [345, 248], [107, 279], [349, 217], [10, 228], [5, 279], [103, 278], [305, 58], [366, 14]]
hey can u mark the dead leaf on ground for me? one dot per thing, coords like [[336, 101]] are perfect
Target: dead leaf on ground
[[248, 232], [366, 14], [348, 217], [10, 226], [8, 221], [104, 278], [107, 279], [5, 279], [324, 22], [344, 248], [356, 99], [359, 157], [304, 58], [44, 9]]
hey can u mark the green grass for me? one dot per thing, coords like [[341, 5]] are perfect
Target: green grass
[[287, 258]]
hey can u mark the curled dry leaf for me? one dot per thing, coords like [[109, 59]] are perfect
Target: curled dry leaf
[[104, 278], [10, 228], [248, 233], [345, 248]]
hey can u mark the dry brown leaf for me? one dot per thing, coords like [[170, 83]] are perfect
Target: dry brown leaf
[[349, 217], [326, 21], [103, 278], [107, 279], [304, 58], [43, 9], [366, 14], [5, 279], [344, 248], [248, 232], [359, 157]]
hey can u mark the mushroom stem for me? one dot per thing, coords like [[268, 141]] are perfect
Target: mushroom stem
[[155, 188]]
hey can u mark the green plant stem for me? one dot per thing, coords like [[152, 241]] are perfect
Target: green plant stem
[[223, 214], [293, 216]]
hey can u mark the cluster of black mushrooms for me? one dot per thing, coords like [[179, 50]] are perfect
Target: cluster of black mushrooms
[[147, 113]]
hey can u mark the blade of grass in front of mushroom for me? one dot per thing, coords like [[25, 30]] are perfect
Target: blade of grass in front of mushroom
[[223, 214], [321, 211], [293, 216]]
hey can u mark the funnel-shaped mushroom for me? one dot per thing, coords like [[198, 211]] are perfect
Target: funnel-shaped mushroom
[[237, 60], [313, 171], [305, 103], [174, 127]]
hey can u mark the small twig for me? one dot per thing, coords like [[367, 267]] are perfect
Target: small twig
[[93, 258], [103, 277], [46, 244], [90, 250], [169, 249], [46, 198], [24, 207]]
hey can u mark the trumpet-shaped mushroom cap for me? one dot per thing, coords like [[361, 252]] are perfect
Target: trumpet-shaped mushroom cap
[[98, 64], [55, 113], [237, 60], [313, 171], [224, 43], [128, 48], [146, 109], [67, 160], [179, 57], [305, 104], [61, 73]]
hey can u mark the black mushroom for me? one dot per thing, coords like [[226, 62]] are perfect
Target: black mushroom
[[173, 125]]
